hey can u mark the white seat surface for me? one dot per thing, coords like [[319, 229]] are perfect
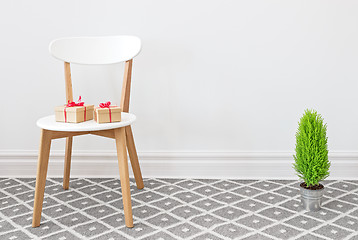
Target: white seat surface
[[50, 123]]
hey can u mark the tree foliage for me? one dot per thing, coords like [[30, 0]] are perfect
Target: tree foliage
[[311, 159]]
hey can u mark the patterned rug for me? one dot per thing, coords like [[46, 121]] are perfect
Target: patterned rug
[[177, 209]]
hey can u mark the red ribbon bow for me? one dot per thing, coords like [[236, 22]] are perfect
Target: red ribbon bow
[[105, 105], [73, 104]]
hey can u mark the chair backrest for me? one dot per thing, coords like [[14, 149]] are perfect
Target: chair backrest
[[97, 50]]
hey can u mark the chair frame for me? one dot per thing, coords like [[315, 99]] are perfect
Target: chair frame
[[124, 141]]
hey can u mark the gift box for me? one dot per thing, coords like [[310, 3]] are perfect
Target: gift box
[[74, 112], [107, 113]]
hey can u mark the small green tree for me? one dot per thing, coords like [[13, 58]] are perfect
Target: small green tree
[[311, 159]]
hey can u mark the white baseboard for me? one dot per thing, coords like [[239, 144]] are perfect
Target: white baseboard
[[228, 165]]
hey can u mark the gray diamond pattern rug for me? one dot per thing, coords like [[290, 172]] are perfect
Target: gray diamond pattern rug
[[169, 209]]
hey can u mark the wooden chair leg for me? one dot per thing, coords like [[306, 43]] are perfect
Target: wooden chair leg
[[44, 153], [67, 168], [134, 158], [120, 137]]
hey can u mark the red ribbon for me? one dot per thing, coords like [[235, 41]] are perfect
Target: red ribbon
[[73, 104], [107, 105]]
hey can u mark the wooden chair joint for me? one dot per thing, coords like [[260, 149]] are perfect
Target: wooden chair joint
[[60, 134], [104, 133]]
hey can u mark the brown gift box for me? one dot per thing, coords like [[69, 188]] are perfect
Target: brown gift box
[[107, 115], [75, 114]]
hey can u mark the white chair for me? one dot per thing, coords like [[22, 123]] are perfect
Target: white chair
[[92, 50]]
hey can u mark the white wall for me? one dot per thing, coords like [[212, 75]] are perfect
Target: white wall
[[213, 76]]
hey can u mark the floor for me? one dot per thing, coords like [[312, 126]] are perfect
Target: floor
[[178, 209]]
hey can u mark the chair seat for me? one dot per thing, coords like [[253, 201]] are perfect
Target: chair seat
[[49, 123]]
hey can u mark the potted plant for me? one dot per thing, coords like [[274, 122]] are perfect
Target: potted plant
[[311, 159]]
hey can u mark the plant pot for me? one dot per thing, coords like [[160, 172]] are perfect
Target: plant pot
[[311, 200]]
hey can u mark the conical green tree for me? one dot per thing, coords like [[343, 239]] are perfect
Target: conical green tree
[[311, 159]]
